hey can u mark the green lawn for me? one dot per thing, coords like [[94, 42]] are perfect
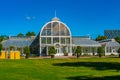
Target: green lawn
[[61, 69]]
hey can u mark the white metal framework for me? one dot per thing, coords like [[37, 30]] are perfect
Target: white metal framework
[[55, 33]]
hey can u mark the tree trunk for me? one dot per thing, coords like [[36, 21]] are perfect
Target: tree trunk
[[27, 56], [52, 56], [78, 55]]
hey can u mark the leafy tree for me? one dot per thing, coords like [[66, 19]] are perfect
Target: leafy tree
[[99, 38], [3, 37], [19, 49], [119, 52], [93, 51], [78, 51], [12, 47], [52, 51], [30, 34], [73, 50], [100, 51], [1, 47], [20, 35], [117, 39], [27, 51]]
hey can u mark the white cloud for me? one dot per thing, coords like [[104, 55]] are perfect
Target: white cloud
[[28, 18]]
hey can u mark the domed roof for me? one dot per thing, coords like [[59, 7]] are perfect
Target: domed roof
[[55, 19]]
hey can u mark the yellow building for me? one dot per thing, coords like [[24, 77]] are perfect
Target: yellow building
[[6, 54], [11, 54], [17, 55], [2, 55]]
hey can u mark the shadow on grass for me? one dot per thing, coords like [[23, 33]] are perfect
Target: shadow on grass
[[94, 65], [94, 78]]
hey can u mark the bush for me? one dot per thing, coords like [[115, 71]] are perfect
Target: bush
[[33, 55], [66, 54], [85, 54], [52, 51], [100, 51], [27, 51], [78, 51]]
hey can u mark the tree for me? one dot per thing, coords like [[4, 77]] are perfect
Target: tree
[[12, 47], [20, 35], [117, 39], [99, 38], [3, 37], [27, 51], [30, 34], [73, 51], [52, 51], [119, 52], [100, 51], [1, 47], [78, 51], [93, 51]]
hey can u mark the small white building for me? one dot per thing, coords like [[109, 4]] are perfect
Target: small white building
[[110, 46]]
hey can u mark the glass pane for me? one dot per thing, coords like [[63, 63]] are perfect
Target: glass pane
[[55, 29], [55, 40], [67, 32], [44, 32], [48, 32], [67, 40], [49, 26], [63, 30], [48, 40], [43, 50], [62, 40], [43, 40]]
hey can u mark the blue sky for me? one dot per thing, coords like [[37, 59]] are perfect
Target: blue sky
[[84, 17]]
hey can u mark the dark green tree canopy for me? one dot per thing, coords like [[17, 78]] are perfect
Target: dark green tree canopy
[[26, 50], [1, 47], [30, 34], [3, 37], [20, 35], [118, 51], [99, 38], [117, 39], [78, 50], [52, 50], [12, 47], [100, 51]]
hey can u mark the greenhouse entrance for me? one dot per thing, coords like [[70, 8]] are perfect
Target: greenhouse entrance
[[59, 49]]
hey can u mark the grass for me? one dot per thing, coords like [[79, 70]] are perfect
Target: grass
[[61, 69]]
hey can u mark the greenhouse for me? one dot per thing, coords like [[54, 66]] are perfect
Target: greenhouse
[[55, 33]]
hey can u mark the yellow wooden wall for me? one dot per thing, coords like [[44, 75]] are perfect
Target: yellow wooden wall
[[11, 54], [2, 55], [17, 54], [6, 54]]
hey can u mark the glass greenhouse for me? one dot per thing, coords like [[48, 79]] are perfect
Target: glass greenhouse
[[55, 33]]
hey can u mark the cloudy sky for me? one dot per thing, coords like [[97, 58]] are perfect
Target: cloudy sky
[[84, 17]]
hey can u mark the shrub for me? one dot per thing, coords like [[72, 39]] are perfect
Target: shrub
[[65, 54], [27, 51], [100, 51], [52, 51], [78, 51]]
